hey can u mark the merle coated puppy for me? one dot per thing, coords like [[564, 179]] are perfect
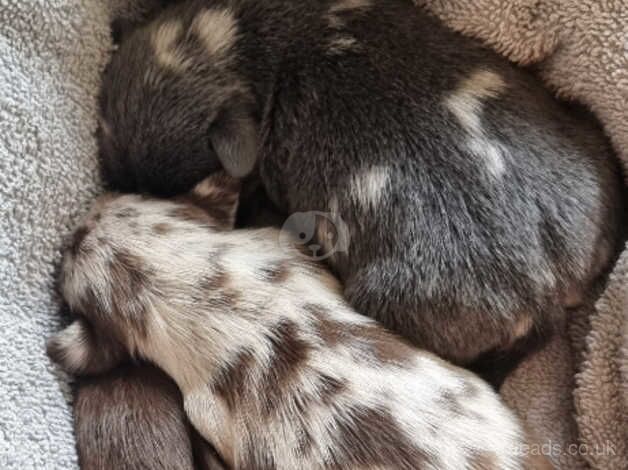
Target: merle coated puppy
[[476, 205], [276, 370]]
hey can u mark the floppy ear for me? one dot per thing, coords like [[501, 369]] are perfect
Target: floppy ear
[[218, 195], [78, 350], [234, 137]]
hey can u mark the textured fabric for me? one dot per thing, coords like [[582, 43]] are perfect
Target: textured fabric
[[580, 49], [51, 55]]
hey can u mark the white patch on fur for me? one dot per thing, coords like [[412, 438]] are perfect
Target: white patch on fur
[[341, 44], [217, 28], [466, 103], [164, 41], [366, 187]]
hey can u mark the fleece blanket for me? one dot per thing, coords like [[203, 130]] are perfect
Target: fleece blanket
[[51, 55]]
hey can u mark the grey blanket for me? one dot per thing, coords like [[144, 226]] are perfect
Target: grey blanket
[[51, 56]]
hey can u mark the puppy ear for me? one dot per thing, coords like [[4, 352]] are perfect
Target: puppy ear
[[79, 351], [218, 195], [234, 137]]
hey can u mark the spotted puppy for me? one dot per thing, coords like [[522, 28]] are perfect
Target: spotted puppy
[[476, 206], [276, 370]]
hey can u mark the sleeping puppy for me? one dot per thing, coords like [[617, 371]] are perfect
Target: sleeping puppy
[[476, 206], [275, 368], [130, 418]]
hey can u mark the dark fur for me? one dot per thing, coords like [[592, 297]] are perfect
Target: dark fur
[[448, 256], [131, 418]]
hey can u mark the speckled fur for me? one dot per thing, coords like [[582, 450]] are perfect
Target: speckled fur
[[276, 369]]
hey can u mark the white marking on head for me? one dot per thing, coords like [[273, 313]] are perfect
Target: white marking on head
[[466, 104], [341, 44], [164, 42], [217, 28], [367, 186]]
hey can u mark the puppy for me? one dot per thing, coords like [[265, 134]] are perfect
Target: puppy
[[129, 418], [476, 206], [276, 369]]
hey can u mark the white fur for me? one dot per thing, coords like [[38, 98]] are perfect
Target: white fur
[[218, 30], [164, 42], [367, 186], [341, 44], [466, 103]]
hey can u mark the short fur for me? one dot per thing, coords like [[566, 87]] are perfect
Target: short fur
[[131, 418], [476, 204], [276, 369]]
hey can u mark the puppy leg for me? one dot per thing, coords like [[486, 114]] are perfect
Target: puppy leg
[[131, 418]]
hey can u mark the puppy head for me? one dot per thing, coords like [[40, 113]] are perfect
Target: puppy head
[[173, 108], [119, 267]]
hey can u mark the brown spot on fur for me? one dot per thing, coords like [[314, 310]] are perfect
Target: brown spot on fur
[[215, 281], [218, 197], [275, 273], [330, 331], [130, 279], [221, 213], [190, 213], [386, 347], [371, 437], [77, 239], [450, 402], [289, 352], [230, 381], [162, 228], [216, 290], [328, 388], [126, 213], [483, 460], [325, 392], [368, 337]]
